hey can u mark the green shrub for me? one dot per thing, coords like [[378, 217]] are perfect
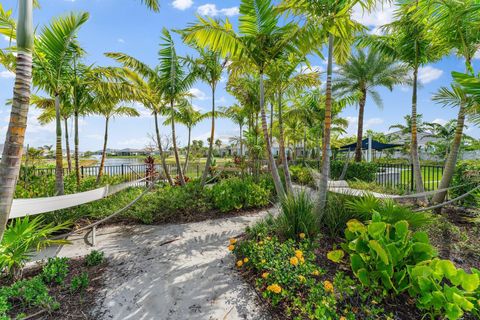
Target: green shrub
[[94, 258], [56, 270], [22, 237], [443, 290], [32, 293], [365, 171], [380, 252], [297, 216], [236, 194], [302, 175], [79, 283], [466, 172]]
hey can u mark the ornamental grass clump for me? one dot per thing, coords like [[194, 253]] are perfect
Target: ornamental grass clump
[[297, 218]]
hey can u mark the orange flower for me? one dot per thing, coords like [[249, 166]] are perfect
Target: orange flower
[[275, 288], [302, 235], [302, 259], [239, 263], [343, 318], [328, 286], [294, 261], [233, 241], [231, 247], [265, 275], [298, 254], [245, 260]]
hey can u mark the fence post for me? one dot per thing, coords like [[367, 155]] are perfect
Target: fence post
[[81, 170], [412, 178], [123, 171]]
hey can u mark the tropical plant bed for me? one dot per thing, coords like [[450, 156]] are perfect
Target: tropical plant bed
[[60, 289]]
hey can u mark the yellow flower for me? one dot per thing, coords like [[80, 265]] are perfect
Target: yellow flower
[[302, 278], [316, 273], [239, 263], [294, 261], [343, 318], [298, 254], [275, 288], [231, 247], [233, 241], [302, 260], [245, 260], [302, 235], [264, 261], [260, 242], [328, 286], [265, 275], [269, 238]]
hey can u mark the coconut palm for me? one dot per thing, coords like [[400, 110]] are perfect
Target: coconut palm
[[412, 40], [334, 21], [55, 50], [444, 134], [364, 72], [261, 39], [208, 67], [189, 117], [176, 83], [405, 129], [458, 23]]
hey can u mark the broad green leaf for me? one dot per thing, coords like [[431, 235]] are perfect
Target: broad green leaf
[[421, 236], [376, 229], [470, 282], [401, 229], [446, 267], [336, 255], [356, 262], [377, 247], [453, 312], [355, 226], [362, 275], [462, 302]]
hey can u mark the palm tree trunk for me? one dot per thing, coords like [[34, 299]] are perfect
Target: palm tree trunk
[[15, 137], [273, 167], [241, 141], [160, 151], [361, 112], [76, 151], [414, 144], [185, 167], [283, 154], [325, 172], [104, 151], [67, 145], [59, 187], [210, 146], [181, 179], [271, 123]]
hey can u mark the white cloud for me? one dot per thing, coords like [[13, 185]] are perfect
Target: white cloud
[[379, 16], [211, 9], [373, 122], [368, 124], [182, 4], [440, 121], [199, 94], [477, 55], [7, 74], [120, 40], [428, 74]]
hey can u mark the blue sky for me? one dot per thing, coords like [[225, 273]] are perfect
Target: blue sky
[[127, 26]]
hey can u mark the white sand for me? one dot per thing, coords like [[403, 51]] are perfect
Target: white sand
[[190, 278]]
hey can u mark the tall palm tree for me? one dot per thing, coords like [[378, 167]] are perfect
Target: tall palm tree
[[208, 67], [412, 40], [189, 117], [444, 134], [176, 83], [238, 115], [55, 51], [405, 129], [458, 23], [334, 21], [364, 72], [13, 147], [261, 39]]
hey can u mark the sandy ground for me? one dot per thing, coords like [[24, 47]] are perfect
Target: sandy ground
[[189, 278]]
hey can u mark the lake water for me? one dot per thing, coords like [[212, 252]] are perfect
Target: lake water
[[117, 161]]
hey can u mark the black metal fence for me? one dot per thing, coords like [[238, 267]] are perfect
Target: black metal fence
[[400, 176]]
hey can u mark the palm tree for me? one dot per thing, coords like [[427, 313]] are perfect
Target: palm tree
[[13, 147], [405, 129], [208, 67], [238, 115], [458, 24], [189, 117], [334, 22], [260, 40], [412, 40], [176, 84], [362, 73], [444, 134], [55, 51]]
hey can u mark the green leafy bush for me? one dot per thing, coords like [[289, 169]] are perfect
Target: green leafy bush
[[236, 194], [94, 258], [364, 171], [444, 290], [56, 270], [80, 282], [466, 172], [302, 175], [380, 252], [297, 216], [22, 237]]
